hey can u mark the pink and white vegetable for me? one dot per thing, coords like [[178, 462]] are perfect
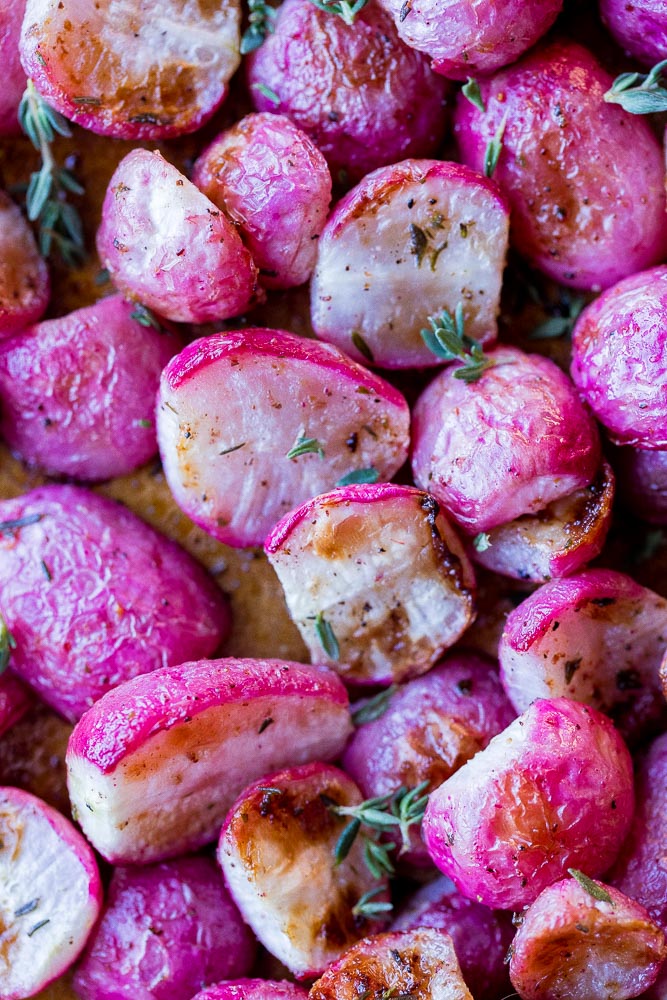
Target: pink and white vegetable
[[553, 791], [78, 392], [278, 853], [253, 989], [419, 963], [508, 444], [597, 638], [51, 893], [481, 937], [253, 423], [13, 78], [15, 700], [362, 95], [383, 568], [166, 930], [129, 70], [167, 246], [556, 541], [619, 359], [24, 276], [410, 241], [585, 179], [640, 27], [155, 765], [274, 184], [472, 36], [94, 596], [586, 941]]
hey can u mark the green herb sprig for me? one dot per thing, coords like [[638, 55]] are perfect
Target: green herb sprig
[[305, 446], [448, 340], [327, 637], [343, 8], [472, 93], [400, 810], [640, 94], [368, 907], [359, 476], [494, 149], [60, 226], [375, 707], [261, 22], [561, 325], [7, 644]]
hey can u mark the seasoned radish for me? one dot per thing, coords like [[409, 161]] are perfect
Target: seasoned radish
[[93, 596], [556, 541], [420, 964], [166, 931], [253, 423], [364, 97], [77, 392], [507, 444], [410, 241], [465, 37], [253, 989], [586, 180], [481, 936], [15, 700], [129, 69], [553, 791], [274, 184], [13, 74], [155, 765], [50, 897], [597, 638], [584, 940], [278, 852], [167, 246], [24, 276], [381, 568], [640, 27]]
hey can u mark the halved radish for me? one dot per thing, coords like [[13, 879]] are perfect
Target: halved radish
[[278, 853], [155, 765], [50, 894], [382, 566], [254, 422], [598, 638], [130, 69], [420, 964], [24, 276], [410, 241]]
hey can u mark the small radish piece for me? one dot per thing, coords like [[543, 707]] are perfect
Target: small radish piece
[[555, 542], [155, 765], [274, 183], [77, 392], [507, 444], [383, 568], [132, 70], [24, 276], [254, 422], [253, 989], [92, 596], [166, 930], [13, 74], [15, 701], [167, 246], [51, 894], [598, 638], [553, 791], [584, 940], [278, 853], [410, 241], [420, 964]]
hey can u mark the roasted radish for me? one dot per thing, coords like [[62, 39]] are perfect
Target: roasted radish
[[24, 277], [14, 78], [639, 27]]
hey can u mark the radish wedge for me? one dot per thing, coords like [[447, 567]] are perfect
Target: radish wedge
[[50, 894], [155, 765]]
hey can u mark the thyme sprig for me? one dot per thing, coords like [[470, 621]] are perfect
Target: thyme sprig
[[7, 644], [305, 446], [562, 324], [261, 22], [343, 8], [448, 340], [375, 707], [640, 94], [60, 225], [367, 906], [400, 810]]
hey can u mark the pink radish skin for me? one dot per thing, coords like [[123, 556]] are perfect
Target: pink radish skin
[[14, 78], [131, 71], [15, 700], [155, 766], [274, 184], [421, 963], [93, 596], [51, 893], [253, 989], [509, 444], [571, 944], [24, 276], [598, 638], [231, 407], [639, 27], [586, 181], [167, 246], [411, 240], [363, 96], [166, 930], [553, 791], [387, 572], [77, 392], [277, 852]]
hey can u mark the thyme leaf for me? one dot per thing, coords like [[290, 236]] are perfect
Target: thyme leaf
[[362, 346], [265, 91], [481, 542], [7, 644], [591, 887], [471, 92], [369, 475], [327, 637], [494, 149], [261, 22], [343, 8], [305, 446], [146, 317], [640, 94], [375, 707], [448, 340], [365, 907], [401, 809]]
